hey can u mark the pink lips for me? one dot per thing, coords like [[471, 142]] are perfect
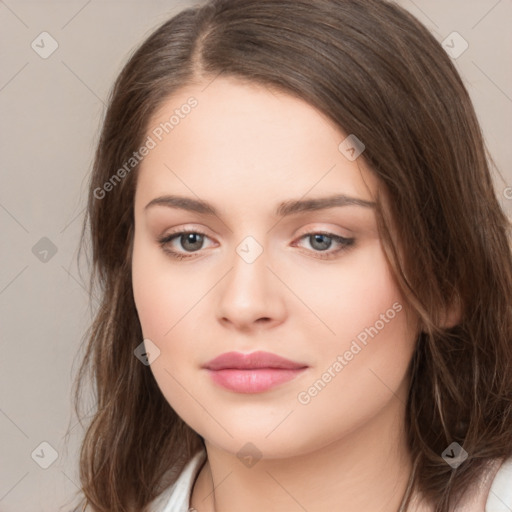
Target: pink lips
[[252, 373]]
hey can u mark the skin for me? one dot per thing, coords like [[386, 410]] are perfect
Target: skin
[[245, 149]]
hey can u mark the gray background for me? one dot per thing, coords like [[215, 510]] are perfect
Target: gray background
[[51, 111]]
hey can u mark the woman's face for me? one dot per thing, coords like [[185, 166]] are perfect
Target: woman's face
[[273, 260]]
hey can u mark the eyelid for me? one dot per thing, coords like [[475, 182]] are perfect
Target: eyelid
[[189, 228], [183, 231], [322, 229]]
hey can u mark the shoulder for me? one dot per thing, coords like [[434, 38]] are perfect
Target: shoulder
[[494, 490], [176, 498], [492, 493], [499, 498]]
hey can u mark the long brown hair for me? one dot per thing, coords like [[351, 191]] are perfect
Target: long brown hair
[[378, 73]]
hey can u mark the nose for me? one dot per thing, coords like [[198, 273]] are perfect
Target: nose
[[250, 297]]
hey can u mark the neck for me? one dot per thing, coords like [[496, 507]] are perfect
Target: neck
[[366, 469]]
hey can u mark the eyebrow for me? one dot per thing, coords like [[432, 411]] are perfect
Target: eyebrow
[[284, 209]]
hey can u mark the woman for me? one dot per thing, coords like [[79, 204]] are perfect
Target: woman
[[306, 275]]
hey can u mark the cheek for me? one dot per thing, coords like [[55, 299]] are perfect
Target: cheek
[[149, 283], [163, 294], [364, 364], [171, 303], [369, 328], [345, 298], [164, 299]]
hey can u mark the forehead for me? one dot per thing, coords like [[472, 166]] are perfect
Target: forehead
[[247, 140]]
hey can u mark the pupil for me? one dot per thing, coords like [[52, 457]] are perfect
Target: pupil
[[192, 241], [320, 242]]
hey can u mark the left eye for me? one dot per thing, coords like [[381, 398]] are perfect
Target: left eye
[[321, 242]]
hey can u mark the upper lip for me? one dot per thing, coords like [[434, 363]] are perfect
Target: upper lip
[[254, 360]]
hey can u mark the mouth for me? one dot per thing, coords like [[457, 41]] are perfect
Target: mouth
[[252, 373]]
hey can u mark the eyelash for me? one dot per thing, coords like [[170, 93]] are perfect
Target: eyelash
[[346, 243]]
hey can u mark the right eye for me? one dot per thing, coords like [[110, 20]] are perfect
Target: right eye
[[178, 244]]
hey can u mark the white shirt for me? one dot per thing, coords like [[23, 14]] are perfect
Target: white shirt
[[176, 498]]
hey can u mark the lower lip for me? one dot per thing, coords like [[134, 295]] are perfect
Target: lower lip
[[253, 381]]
